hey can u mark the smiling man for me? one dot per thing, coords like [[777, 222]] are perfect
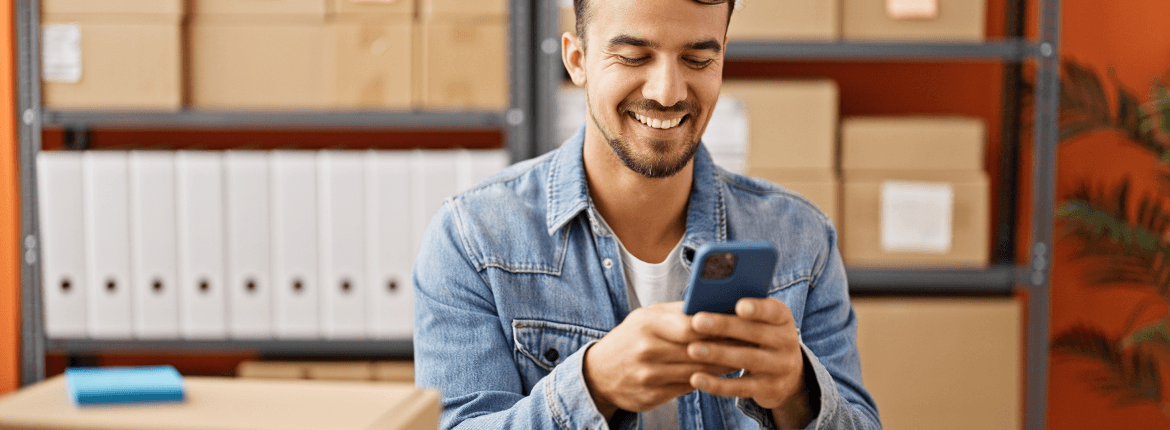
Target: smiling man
[[548, 296]]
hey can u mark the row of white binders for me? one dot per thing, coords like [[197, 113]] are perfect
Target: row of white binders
[[240, 244]]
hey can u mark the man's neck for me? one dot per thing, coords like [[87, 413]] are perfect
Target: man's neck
[[647, 215]]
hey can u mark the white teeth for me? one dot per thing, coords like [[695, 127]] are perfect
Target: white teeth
[[658, 123]]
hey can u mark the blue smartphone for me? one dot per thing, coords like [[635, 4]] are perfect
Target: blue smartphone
[[728, 271]]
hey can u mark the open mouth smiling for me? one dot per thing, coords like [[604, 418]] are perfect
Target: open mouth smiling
[[660, 124]]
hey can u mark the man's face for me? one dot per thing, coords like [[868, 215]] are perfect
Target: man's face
[[653, 69]]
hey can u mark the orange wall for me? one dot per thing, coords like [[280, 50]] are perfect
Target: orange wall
[[9, 212]]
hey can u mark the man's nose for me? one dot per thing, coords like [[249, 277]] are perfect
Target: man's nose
[[665, 84]]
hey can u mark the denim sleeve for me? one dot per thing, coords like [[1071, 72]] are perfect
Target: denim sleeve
[[460, 347], [829, 341]]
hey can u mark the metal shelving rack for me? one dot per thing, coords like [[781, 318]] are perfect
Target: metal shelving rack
[[1003, 277], [530, 123]]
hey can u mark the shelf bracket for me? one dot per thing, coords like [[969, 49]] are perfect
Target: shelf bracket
[[77, 138]]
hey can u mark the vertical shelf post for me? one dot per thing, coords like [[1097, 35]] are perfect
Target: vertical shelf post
[[519, 118], [32, 333], [1043, 212]]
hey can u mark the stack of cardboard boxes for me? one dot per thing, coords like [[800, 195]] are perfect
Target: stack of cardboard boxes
[[276, 54], [827, 20], [793, 136], [112, 54], [915, 192]]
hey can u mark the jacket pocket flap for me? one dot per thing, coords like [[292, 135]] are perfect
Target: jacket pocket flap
[[547, 343]]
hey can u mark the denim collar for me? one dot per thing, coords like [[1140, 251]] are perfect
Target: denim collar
[[568, 194]]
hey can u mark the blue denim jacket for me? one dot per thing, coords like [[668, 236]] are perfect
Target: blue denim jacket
[[517, 277]]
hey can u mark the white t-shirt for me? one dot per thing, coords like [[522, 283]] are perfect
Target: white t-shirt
[[647, 284]]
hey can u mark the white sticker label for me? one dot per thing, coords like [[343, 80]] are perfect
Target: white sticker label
[[61, 53], [912, 9], [916, 217], [728, 133]]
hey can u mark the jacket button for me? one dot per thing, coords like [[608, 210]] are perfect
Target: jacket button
[[608, 263], [552, 355]]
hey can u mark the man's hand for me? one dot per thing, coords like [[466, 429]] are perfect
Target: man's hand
[[773, 361], [643, 362]]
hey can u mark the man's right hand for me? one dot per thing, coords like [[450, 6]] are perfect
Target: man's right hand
[[643, 362]]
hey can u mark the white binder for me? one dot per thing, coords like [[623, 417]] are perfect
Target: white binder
[[62, 216], [477, 165], [199, 181], [435, 177], [343, 241], [153, 247], [107, 234], [295, 246], [390, 308], [248, 237]]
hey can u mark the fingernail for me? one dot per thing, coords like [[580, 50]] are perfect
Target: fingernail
[[748, 308], [706, 322]]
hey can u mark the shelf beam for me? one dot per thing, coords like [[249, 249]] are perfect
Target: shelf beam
[[993, 280], [196, 119], [1009, 50], [298, 348]]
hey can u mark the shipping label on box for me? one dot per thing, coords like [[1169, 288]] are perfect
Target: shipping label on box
[[463, 65], [111, 64], [955, 21], [785, 20], [792, 124], [727, 134], [908, 229], [912, 143]]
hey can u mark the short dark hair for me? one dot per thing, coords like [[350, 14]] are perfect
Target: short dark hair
[[581, 10]]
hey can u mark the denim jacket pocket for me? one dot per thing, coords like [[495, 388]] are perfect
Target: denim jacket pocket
[[541, 345]]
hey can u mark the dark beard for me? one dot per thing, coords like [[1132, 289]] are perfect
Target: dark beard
[[658, 165]]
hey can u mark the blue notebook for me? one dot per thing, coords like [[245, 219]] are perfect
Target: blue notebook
[[119, 385]]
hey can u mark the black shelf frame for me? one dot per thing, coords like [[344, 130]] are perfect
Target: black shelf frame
[[210, 119], [1007, 50], [994, 280], [323, 348]]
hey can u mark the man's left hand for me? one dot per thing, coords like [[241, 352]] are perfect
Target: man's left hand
[[764, 342]]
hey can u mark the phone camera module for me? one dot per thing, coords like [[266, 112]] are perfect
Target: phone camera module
[[719, 266]]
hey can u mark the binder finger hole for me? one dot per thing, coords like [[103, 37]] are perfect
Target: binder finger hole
[[298, 286], [346, 286], [204, 286], [392, 285], [111, 286], [157, 286], [250, 286], [66, 285]]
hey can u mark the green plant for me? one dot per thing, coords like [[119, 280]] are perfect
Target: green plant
[[1124, 235]]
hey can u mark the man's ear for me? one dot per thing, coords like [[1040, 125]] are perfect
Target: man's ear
[[573, 55]]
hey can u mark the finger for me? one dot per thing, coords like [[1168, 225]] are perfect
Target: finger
[[766, 310], [739, 357], [753, 386], [669, 325], [679, 373], [720, 326]]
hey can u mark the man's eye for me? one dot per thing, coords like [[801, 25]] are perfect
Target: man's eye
[[698, 63], [628, 60]]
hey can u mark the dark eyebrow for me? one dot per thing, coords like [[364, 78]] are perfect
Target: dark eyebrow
[[709, 44], [628, 40]]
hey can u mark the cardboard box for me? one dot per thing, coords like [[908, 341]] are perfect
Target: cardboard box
[[821, 187], [111, 62], [260, 9], [231, 403], [394, 371], [374, 9], [955, 21], [808, 20], [942, 363], [344, 65], [446, 9], [340, 371], [899, 219], [272, 370], [567, 21], [463, 64], [132, 7], [912, 143], [793, 124]]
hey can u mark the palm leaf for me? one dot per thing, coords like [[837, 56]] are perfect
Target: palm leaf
[[1131, 376], [1083, 104], [1135, 121]]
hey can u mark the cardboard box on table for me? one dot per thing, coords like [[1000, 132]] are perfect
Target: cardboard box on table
[[922, 20], [230, 403], [771, 20], [300, 64], [462, 63], [117, 54], [914, 193], [942, 363]]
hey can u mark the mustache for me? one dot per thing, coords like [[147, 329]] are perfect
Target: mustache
[[643, 105]]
